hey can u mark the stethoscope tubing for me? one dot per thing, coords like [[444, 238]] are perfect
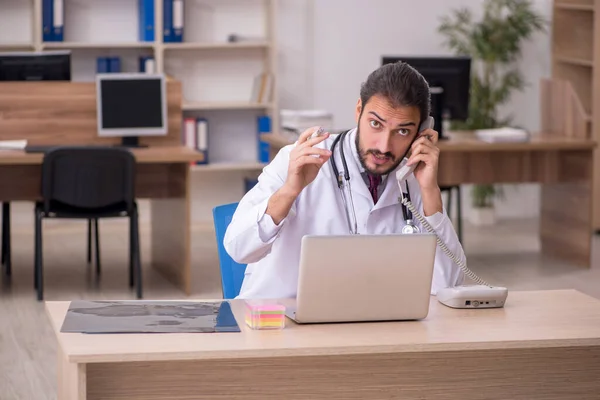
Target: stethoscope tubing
[[406, 214]]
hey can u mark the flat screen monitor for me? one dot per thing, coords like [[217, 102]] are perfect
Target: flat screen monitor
[[449, 80], [35, 66], [131, 105]]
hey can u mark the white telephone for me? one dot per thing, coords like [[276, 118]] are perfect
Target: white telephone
[[481, 295]]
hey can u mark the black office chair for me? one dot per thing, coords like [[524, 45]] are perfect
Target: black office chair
[[450, 190], [89, 183]]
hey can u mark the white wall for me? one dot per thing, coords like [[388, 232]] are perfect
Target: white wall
[[347, 49], [323, 58]]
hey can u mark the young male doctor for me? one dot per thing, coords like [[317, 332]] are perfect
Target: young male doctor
[[297, 193]]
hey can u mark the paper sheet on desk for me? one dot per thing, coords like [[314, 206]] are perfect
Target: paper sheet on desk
[[502, 135], [149, 317], [13, 144]]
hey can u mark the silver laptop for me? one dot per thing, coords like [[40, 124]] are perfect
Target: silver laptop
[[354, 278]]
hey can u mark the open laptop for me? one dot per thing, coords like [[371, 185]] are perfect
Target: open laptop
[[355, 278]]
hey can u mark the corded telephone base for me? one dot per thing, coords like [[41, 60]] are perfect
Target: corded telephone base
[[473, 296]]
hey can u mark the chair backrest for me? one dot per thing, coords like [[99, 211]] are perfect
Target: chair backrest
[[88, 177], [232, 273]]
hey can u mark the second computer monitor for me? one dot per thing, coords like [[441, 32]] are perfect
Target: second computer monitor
[[131, 105], [35, 66], [449, 81]]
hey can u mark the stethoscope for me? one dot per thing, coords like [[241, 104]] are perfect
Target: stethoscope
[[410, 227]]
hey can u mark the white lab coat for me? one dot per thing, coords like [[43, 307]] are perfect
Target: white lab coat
[[273, 252]]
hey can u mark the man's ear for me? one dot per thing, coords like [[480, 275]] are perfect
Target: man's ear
[[358, 109]]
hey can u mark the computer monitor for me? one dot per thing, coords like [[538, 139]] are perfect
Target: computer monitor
[[35, 66], [449, 81], [131, 105]]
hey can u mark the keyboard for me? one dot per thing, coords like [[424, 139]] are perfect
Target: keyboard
[[38, 149]]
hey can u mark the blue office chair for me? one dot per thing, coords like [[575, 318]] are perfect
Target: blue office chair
[[232, 273]]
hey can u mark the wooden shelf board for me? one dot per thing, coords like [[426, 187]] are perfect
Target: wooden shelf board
[[216, 46], [224, 105], [574, 60], [91, 45], [16, 46], [228, 166], [577, 7]]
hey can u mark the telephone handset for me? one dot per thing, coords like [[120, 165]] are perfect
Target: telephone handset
[[405, 170], [481, 295]]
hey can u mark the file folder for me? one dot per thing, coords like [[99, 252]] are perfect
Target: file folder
[[167, 21], [58, 16], [264, 126], [114, 64], [102, 65], [202, 139], [173, 21], [146, 20], [47, 24], [147, 64]]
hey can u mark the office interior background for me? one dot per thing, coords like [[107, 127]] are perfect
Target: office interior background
[[319, 54]]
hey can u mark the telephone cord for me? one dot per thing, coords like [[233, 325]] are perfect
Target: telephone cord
[[442, 245]]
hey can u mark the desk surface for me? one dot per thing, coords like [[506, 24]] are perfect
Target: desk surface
[[153, 154], [466, 141], [559, 318]]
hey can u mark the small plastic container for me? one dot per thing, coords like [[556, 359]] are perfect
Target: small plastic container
[[264, 314]]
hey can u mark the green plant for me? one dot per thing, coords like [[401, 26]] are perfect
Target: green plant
[[482, 195], [494, 45]]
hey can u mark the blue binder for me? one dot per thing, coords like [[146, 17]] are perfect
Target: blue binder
[[264, 126], [178, 21], [167, 21], [47, 25], [102, 65], [173, 21], [58, 18], [145, 62], [114, 64], [146, 20]]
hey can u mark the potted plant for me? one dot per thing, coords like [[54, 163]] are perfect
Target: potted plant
[[482, 197], [494, 45]]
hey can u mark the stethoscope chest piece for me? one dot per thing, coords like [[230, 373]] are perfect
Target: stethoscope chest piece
[[410, 227]]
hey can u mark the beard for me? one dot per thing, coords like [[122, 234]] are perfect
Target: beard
[[362, 156]]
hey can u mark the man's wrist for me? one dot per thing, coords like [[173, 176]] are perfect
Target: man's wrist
[[280, 203], [285, 191], [432, 200]]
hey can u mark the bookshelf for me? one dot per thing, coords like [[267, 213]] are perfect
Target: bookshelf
[[217, 75], [576, 59]]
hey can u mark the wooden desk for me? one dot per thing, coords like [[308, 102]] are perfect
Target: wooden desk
[[64, 113], [542, 345], [563, 165], [162, 175]]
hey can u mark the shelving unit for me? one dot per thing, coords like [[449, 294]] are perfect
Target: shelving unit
[[232, 105], [87, 45], [216, 46], [217, 75], [575, 6], [576, 59]]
